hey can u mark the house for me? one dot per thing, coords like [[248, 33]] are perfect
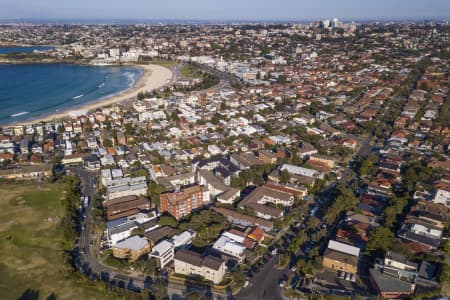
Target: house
[[244, 220], [256, 234], [121, 138], [127, 186], [442, 196], [245, 160], [321, 159], [120, 229], [306, 150], [25, 172], [158, 234], [125, 206], [350, 143], [213, 184], [163, 252], [268, 157], [73, 159], [131, 248], [299, 192], [170, 182], [389, 287], [92, 163], [397, 268], [182, 202], [341, 257], [422, 229], [191, 263], [295, 170], [231, 244], [261, 196], [228, 196]]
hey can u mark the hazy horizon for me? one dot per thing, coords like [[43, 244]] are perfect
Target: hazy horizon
[[232, 10]]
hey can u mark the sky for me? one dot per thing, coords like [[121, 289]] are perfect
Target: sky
[[224, 9]]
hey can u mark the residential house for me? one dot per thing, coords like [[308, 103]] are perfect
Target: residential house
[[131, 248], [341, 257], [191, 263]]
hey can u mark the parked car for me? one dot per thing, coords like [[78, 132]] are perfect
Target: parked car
[[348, 276], [342, 275]]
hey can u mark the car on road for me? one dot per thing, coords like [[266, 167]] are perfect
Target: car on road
[[246, 284], [342, 275], [283, 278], [282, 283], [348, 276]]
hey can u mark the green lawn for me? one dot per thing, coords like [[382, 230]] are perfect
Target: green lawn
[[189, 71], [31, 257], [162, 62]]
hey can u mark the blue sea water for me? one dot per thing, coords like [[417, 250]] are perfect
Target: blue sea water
[[36, 90], [5, 50]]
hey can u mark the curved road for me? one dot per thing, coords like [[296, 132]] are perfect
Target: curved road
[[87, 261]]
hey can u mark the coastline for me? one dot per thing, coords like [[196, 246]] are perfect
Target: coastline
[[153, 77]]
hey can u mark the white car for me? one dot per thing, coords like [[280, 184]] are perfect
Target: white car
[[246, 283]]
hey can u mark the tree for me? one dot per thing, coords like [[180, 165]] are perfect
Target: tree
[[138, 231], [107, 143], [238, 277], [344, 200], [174, 116], [380, 239], [167, 221], [312, 223], [155, 190], [285, 177], [366, 166], [195, 296], [129, 129]]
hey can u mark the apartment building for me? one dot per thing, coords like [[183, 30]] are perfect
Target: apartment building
[[182, 202]]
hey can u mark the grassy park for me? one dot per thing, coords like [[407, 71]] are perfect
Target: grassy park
[[32, 264]]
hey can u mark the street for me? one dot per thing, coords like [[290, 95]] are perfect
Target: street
[[88, 262], [265, 284]]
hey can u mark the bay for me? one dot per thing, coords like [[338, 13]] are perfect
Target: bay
[[31, 91]]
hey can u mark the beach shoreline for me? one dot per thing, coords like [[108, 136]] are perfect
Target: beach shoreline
[[153, 77]]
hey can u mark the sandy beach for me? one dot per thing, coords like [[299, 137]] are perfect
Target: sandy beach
[[154, 77]]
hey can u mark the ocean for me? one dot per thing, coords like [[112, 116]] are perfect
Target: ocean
[[5, 50], [36, 90]]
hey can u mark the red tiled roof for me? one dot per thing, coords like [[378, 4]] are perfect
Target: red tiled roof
[[256, 234]]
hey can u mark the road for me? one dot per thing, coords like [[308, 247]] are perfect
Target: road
[[265, 284], [88, 262]]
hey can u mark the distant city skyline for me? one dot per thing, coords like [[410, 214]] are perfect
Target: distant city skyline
[[251, 10]]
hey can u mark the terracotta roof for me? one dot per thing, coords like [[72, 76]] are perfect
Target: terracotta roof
[[256, 234]]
